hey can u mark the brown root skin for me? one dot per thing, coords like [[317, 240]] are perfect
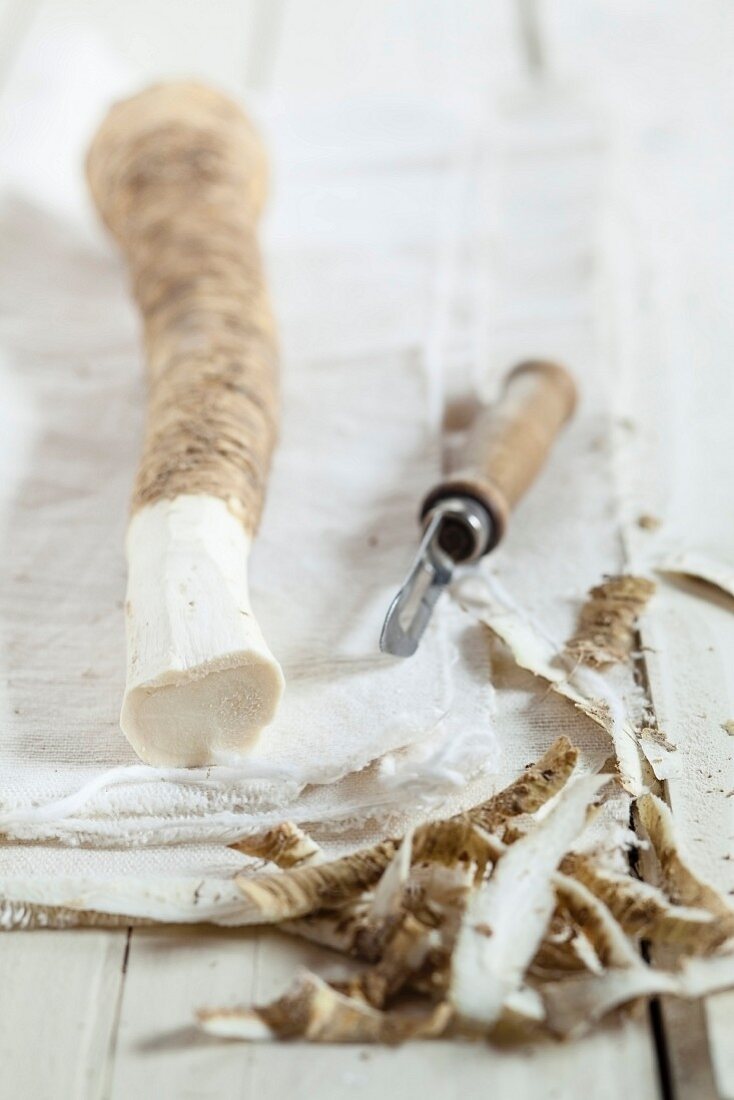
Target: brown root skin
[[178, 174], [595, 921], [403, 906], [286, 846], [306, 889], [532, 651], [574, 1006], [403, 956], [678, 880], [606, 626], [531, 790], [507, 916], [648, 522], [659, 737]]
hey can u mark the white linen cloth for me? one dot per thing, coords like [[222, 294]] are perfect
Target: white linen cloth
[[410, 253], [351, 264]]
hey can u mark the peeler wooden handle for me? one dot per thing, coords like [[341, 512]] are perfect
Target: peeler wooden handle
[[510, 441], [179, 176]]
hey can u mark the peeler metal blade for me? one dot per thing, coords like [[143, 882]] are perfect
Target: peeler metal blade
[[411, 609], [458, 531]]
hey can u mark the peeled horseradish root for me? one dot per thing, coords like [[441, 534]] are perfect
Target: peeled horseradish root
[[201, 679], [179, 176]]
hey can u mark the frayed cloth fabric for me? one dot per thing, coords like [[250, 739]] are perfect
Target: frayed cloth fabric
[[360, 444]]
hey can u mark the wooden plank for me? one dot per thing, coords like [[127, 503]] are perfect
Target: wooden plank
[[171, 972], [59, 998], [173, 39], [719, 1016], [671, 380], [663, 72]]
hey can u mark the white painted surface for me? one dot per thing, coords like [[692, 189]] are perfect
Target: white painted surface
[[661, 71]]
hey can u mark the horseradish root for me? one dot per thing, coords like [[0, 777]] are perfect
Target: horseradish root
[[285, 845], [700, 567], [274, 898], [606, 628], [178, 175]]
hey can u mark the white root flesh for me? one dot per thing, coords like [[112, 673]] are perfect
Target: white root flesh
[[314, 1011], [506, 917], [273, 898], [201, 681], [459, 916], [511, 937], [388, 897], [299, 900], [611, 946]]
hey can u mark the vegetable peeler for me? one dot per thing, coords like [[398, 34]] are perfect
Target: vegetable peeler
[[466, 516]]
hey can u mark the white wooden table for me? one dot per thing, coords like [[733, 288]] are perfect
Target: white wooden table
[[94, 1014]]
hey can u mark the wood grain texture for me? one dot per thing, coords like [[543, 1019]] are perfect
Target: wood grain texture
[[179, 175], [59, 998]]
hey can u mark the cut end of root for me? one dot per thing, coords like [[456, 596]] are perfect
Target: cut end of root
[[187, 718]]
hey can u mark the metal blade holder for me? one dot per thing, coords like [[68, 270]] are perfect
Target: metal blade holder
[[458, 531]]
